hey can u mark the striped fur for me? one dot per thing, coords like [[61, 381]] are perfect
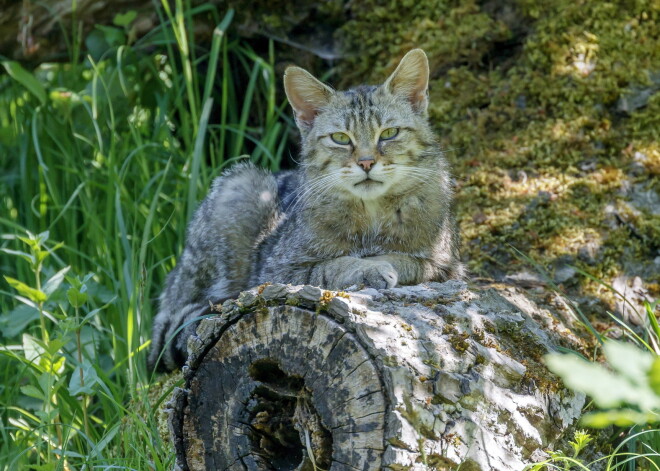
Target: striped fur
[[322, 223]]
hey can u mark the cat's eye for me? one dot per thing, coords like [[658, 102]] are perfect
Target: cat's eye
[[389, 133], [340, 138]]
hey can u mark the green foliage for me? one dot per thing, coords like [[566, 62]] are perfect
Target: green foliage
[[625, 393], [623, 388], [22, 76], [62, 347], [103, 158], [580, 440], [101, 161], [645, 456]]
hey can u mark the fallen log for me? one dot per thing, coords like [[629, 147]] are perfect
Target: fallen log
[[420, 377]]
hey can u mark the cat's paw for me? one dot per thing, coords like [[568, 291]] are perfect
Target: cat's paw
[[370, 273]]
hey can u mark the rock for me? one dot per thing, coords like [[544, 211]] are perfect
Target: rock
[[564, 271], [631, 295], [525, 279], [637, 97], [644, 197]]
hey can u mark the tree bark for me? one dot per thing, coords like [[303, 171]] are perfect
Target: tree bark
[[411, 378]]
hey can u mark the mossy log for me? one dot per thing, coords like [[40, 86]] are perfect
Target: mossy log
[[411, 378]]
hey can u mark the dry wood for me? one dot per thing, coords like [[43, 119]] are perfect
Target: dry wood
[[421, 377]]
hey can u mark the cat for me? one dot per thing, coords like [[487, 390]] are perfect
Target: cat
[[369, 205]]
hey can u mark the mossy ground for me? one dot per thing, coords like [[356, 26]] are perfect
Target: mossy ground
[[551, 117]]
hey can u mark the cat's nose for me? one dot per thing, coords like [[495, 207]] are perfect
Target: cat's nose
[[366, 163]]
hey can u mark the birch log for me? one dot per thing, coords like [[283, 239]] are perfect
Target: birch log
[[413, 378]]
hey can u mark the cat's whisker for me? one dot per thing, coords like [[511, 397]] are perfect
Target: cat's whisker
[[301, 199], [425, 172], [417, 178], [420, 176], [307, 188], [314, 184], [317, 196]]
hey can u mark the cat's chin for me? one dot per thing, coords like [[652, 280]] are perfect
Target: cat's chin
[[368, 189]]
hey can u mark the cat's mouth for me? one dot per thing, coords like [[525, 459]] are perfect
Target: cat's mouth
[[368, 181]]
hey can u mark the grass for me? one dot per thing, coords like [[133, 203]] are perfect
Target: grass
[[101, 160], [620, 459]]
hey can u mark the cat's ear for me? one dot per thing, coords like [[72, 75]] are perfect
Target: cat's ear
[[411, 80], [306, 94]]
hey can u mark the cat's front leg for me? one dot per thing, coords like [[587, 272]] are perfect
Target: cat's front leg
[[410, 269], [342, 272], [417, 269]]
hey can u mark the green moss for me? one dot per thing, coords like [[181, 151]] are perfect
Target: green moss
[[532, 119], [292, 301], [459, 342], [380, 32]]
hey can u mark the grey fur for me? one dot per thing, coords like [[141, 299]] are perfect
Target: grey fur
[[321, 224]]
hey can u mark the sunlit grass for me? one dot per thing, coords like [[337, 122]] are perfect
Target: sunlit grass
[[102, 160]]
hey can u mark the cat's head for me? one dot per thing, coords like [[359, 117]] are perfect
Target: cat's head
[[367, 140]]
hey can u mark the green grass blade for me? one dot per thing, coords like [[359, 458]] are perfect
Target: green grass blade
[[26, 79], [218, 35], [198, 153]]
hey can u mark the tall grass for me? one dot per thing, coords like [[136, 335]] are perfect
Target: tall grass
[[102, 160]]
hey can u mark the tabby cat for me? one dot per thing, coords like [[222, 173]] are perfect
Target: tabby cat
[[370, 204]]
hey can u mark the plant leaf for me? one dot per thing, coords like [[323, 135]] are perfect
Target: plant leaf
[[103, 442], [618, 417], [25, 78], [33, 391], [15, 321], [32, 348], [113, 36], [125, 19], [44, 467], [654, 376], [607, 389], [55, 281], [33, 294], [23, 255], [85, 384], [76, 297], [628, 360]]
